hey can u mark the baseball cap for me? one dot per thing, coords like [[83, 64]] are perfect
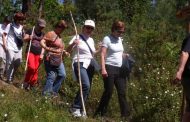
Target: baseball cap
[[89, 23], [41, 22]]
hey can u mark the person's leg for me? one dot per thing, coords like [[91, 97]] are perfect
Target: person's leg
[[50, 78], [85, 86], [10, 65], [186, 117], [106, 96], [61, 74], [34, 76], [2, 62], [16, 62], [30, 68], [186, 85], [120, 84]]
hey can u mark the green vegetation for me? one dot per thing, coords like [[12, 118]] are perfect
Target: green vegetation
[[153, 36]]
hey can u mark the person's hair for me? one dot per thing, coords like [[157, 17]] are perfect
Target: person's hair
[[7, 19], [19, 16], [61, 24], [117, 25]]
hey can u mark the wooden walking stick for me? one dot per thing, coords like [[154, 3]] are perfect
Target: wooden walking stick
[[79, 76], [29, 49]]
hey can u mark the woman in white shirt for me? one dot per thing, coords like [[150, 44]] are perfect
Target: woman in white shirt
[[3, 27], [111, 61], [86, 47], [14, 33]]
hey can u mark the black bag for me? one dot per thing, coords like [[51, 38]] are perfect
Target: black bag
[[95, 64], [18, 37], [127, 65], [55, 60]]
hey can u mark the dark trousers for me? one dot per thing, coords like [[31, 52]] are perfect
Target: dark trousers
[[114, 78]]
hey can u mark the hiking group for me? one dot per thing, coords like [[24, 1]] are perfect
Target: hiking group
[[49, 48]]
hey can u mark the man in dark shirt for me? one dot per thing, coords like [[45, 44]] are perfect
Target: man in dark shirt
[[183, 74]]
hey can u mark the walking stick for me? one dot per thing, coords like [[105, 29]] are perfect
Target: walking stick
[[22, 86], [29, 50], [79, 76]]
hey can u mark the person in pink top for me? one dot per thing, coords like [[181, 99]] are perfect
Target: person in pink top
[[54, 49]]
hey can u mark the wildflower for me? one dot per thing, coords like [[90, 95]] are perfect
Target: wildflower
[[140, 69], [146, 97], [5, 115], [36, 117], [2, 95]]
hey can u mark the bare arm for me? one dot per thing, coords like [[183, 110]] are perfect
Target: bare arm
[[43, 44], [4, 40], [71, 46], [103, 55], [27, 37], [183, 60]]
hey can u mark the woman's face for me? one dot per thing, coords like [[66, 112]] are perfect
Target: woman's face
[[119, 32], [87, 30]]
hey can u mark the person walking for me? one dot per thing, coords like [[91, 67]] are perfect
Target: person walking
[[111, 62], [183, 73], [3, 50], [83, 49], [14, 42], [54, 49], [35, 54]]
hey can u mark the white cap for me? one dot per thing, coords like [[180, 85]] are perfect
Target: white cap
[[89, 23]]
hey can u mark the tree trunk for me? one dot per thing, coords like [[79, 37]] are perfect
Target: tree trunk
[[26, 5], [1, 5], [41, 4]]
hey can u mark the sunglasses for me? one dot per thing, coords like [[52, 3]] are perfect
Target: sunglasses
[[89, 28]]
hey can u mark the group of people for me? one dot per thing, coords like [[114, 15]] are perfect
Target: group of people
[[49, 47]]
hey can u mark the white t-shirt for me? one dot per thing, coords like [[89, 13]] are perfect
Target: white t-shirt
[[2, 30], [85, 55], [114, 50], [11, 41]]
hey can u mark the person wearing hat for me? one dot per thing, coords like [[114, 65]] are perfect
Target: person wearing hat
[[13, 45], [55, 69], [111, 62], [35, 54], [3, 26], [86, 48]]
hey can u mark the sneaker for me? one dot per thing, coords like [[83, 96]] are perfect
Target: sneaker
[[75, 112]]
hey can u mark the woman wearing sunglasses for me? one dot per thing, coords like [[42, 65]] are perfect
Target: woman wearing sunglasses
[[111, 62]]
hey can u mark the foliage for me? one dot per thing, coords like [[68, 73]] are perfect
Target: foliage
[[153, 36]]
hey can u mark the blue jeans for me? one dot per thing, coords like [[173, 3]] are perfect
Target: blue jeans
[[54, 78], [86, 80]]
